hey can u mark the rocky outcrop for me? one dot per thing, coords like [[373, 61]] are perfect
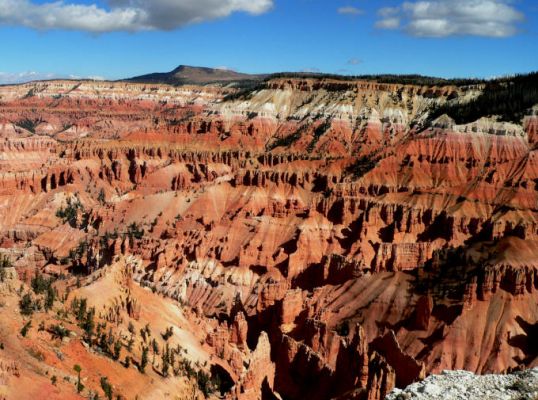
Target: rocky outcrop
[[457, 384]]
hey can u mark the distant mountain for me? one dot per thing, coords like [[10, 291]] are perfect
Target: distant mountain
[[184, 75]]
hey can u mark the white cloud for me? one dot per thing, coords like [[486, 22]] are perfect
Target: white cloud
[[354, 61], [387, 12], [123, 15], [350, 11], [8, 78], [388, 23], [441, 18]]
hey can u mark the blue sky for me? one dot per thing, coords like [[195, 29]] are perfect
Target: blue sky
[[122, 38]]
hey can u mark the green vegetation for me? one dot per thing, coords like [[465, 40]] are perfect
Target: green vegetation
[[168, 333], [59, 331], [247, 90], [70, 214], [134, 232], [508, 98], [39, 283], [101, 197], [26, 328], [85, 318], [318, 132], [78, 369], [117, 350], [361, 166], [166, 355], [286, 141], [28, 124], [204, 383], [76, 255], [27, 305], [107, 387], [38, 355], [412, 79], [5, 262], [50, 297], [144, 359]]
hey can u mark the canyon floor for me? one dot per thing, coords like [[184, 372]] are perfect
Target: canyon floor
[[305, 238]]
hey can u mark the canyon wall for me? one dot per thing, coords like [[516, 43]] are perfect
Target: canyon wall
[[314, 230]]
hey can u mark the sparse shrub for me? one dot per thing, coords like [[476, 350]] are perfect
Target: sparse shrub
[[165, 360], [50, 297], [168, 333], [78, 369], [134, 232], [29, 124], [117, 350], [107, 387], [38, 355], [131, 328], [204, 383], [70, 213], [26, 328], [144, 359], [26, 305], [5, 262], [59, 331], [361, 166], [130, 344], [101, 197], [39, 283]]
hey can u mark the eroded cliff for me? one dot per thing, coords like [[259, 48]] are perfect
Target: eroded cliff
[[310, 230]]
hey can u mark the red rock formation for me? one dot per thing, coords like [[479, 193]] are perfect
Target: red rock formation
[[314, 231]]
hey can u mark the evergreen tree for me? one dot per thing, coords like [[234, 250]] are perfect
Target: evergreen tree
[[26, 328], [49, 298], [144, 359], [78, 369], [107, 387], [26, 305], [165, 360], [117, 349]]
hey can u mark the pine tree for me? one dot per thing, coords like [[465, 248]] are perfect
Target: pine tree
[[117, 350], [78, 369], [50, 298], [26, 305], [26, 328], [144, 359], [107, 387], [155, 348], [165, 360]]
